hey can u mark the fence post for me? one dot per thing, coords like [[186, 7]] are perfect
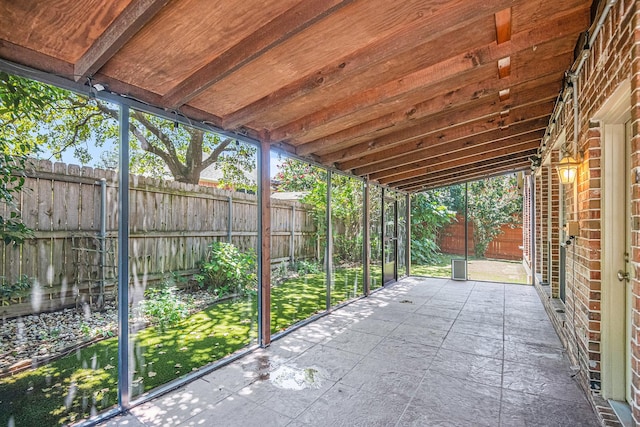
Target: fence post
[[230, 225], [292, 250], [103, 239]]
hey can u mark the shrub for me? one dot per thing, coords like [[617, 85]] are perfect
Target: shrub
[[307, 267], [162, 306], [11, 292], [227, 271]]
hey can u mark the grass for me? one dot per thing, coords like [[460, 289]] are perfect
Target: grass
[[84, 383], [478, 269], [440, 268]]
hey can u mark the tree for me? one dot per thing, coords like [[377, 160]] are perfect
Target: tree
[[346, 202], [430, 213], [158, 147], [493, 202], [21, 101]]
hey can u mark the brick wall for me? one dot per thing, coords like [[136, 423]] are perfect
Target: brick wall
[[614, 58]]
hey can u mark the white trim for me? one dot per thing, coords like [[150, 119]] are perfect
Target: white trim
[[613, 114]]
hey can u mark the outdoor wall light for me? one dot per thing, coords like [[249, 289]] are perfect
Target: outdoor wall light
[[567, 169]]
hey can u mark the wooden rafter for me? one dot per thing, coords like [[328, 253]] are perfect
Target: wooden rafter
[[486, 166], [125, 26], [446, 168], [419, 154], [276, 32], [410, 94], [429, 133], [503, 26]]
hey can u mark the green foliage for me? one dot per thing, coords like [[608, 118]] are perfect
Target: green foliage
[[346, 204], [163, 306], [303, 267], [60, 121], [12, 292], [493, 202], [430, 214], [21, 103], [227, 271]]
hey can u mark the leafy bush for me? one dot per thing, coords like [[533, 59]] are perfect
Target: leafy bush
[[162, 306], [227, 271], [424, 252], [307, 267], [11, 292]]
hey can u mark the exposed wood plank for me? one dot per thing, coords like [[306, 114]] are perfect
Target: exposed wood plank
[[37, 60], [477, 108], [127, 23], [503, 26], [464, 159], [504, 67], [470, 168], [63, 29], [276, 32], [364, 23], [472, 84], [510, 167], [520, 161], [449, 142], [419, 152], [416, 36], [441, 131], [448, 69]]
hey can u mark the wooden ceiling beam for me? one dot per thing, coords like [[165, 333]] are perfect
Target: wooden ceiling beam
[[428, 163], [456, 173], [449, 19], [40, 61], [503, 26], [473, 84], [126, 25], [438, 163], [424, 151], [439, 130], [276, 32], [484, 56], [490, 172], [364, 134]]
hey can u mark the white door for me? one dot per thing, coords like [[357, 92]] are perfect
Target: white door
[[626, 271]]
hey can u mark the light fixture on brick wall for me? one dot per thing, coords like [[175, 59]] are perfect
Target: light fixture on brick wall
[[567, 169]]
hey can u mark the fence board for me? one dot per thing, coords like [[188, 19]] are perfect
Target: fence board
[[172, 225]]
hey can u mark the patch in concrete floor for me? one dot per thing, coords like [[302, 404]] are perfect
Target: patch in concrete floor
[[293, 378]]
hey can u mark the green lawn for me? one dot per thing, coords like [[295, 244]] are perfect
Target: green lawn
[[478, 269], [84, 383]]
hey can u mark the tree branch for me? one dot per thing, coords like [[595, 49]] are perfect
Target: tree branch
[[174, 166], [166, 141], [213, 157]]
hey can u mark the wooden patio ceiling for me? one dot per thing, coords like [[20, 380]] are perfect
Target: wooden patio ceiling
[[411, 94]]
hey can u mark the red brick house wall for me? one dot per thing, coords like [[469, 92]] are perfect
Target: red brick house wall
[[613, 59]]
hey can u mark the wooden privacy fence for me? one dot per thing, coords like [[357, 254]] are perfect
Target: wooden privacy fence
[[73, 212], [506, 246]]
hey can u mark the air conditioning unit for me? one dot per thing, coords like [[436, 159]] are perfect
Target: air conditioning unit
[[459, 269]]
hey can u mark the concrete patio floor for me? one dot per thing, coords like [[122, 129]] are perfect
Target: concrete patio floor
[[423, 352]]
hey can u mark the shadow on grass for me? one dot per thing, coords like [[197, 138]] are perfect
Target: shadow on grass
[[84, 383]]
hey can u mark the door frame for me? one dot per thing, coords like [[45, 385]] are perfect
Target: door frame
[[613, 115]]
